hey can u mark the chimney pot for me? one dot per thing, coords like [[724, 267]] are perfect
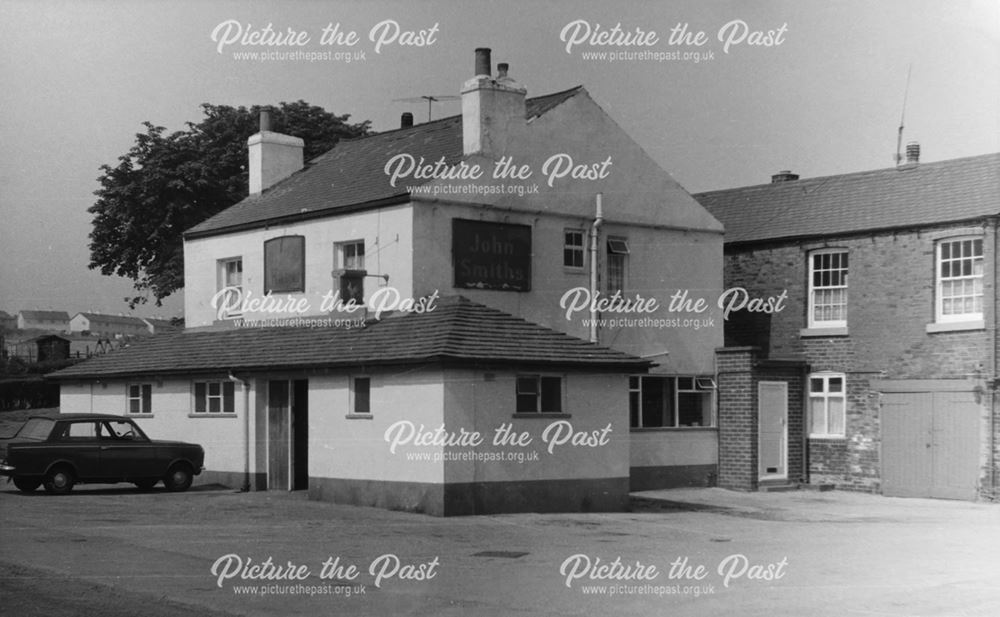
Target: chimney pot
[[406, 120], [502, 69], [913, 152], [785, 175], [265, 120], [483, 62]]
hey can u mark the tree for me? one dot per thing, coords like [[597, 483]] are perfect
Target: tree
[[170, 182]]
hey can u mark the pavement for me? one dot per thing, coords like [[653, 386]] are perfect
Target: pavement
[[115, 551]]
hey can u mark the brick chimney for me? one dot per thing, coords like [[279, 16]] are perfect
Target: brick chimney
[[492, 109], [273, 156]]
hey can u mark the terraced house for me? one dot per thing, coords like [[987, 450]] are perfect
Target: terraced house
[[886, 352], [464, 329]]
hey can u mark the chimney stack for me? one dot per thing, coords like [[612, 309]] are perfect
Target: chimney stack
[[492, 109], [784, 175], [273, 156], [406, 120], [912, 153]]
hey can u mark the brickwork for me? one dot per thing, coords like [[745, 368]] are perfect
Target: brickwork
[[890, 305], [737, 419]]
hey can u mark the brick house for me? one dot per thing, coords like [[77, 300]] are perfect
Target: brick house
[[886, 340]]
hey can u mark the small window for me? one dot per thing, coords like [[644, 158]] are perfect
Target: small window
[[827, 404], [140, 399], [214, 397], [539, 394], [349, 258], [361, 390], [828, 289], [960, 280], [618, 253], [230, 281], [573, 248]]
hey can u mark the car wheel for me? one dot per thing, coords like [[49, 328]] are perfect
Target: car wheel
[[59, 481], [145, 485], [178, 478], [27, 485]]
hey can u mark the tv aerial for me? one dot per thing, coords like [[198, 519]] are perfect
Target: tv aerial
[[431, 99]]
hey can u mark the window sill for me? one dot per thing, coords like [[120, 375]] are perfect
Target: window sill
[[829, 437], [209, 415], [541, 414], [571, 270], [359, 416], [820, 332], [956, 326], [669, 429]]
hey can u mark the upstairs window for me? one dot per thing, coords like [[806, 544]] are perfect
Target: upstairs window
[[285, 264], [828, 289], [618, 253], [573, 248], [349, 258], [959, 280], [231, 279]]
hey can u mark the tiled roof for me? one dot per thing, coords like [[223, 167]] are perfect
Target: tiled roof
[[46, 315], [114, 319], [911, 196], [457, 330], [352, 173]]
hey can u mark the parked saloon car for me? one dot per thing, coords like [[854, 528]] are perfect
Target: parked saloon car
[[63, 450]]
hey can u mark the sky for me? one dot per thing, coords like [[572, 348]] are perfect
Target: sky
[[824, 97]]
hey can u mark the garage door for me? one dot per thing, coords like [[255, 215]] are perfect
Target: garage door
[[930, 444]]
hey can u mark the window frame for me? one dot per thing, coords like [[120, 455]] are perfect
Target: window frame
[[539, 395], [222, 396], [573, 249], [222, 273], [353, 399], [826, 395], [698, 384], [145, 402], [300, 241], [939, 279], [811, 289], [623, 252]]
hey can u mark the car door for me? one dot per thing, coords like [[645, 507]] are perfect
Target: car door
[[77, 442], [126, 453]]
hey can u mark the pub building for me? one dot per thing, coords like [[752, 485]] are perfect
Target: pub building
[[431, 307]]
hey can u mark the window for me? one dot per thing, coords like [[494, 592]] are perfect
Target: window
[[285, 264], [140, 398], [960, 280], [669, 402], [538, 393], [214, 397], [617, 264], [827, 402], [828, 289], [231, 279], [361, 390], [573, 248], [349, 258], [79, 430]]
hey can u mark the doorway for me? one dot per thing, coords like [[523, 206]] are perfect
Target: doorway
[[288, 434], [772, 407]]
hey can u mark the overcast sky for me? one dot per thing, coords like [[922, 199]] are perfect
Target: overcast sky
[[80, 77]]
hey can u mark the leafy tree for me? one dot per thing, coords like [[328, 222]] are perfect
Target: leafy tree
[[169, 182]]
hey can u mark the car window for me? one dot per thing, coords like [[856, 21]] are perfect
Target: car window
[[79, 430], [36, 428], [120, 430]]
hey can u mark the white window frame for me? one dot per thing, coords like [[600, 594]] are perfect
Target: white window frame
[[340, 255], [813, 322], [622, 251], [574, 249], [222, 279], [143, 410], [538, 377], [698, 384], [221, 397], [825, 395], [939, 279]]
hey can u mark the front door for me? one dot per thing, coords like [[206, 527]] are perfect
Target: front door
[[279, 435], [772, 407]]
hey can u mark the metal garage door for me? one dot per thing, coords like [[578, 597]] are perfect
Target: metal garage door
[[930, 444]]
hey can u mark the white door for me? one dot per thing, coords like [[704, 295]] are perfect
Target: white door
[[772, 409]]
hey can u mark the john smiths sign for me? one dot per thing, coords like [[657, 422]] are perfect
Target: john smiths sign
[[491, 255]]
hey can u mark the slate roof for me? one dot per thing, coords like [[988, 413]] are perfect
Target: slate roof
[[917, 195], [351, 175], [456, 331], [46, 315]]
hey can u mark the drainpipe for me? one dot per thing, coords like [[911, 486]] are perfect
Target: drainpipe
[[594, 235], [246, 429], [995, 493]]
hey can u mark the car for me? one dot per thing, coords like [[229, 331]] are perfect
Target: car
[[63, 450]]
